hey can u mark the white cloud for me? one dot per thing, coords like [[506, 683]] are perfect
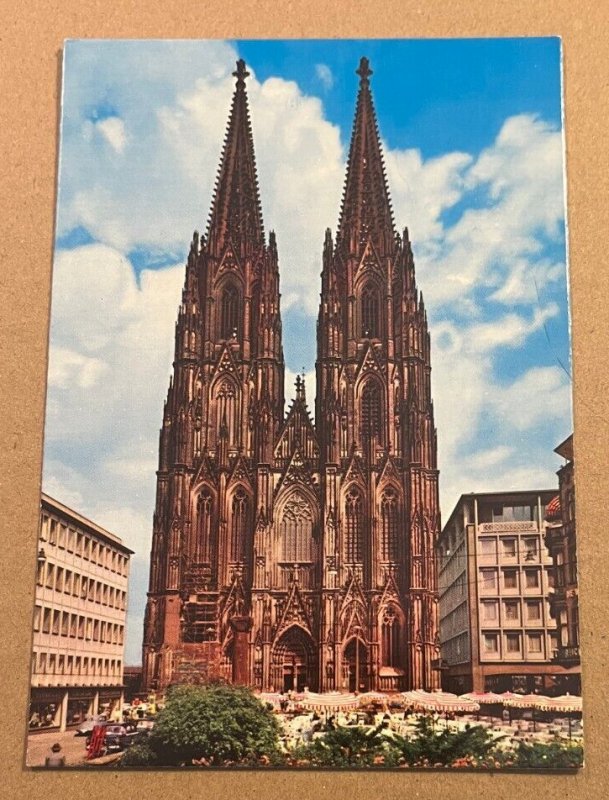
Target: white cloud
[[113, 130], [325, 76]]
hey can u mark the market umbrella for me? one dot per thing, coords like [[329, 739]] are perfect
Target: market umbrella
[[568, 704], [532, 701], [372, 698], [483, 698], [442, 702], [330, 701]]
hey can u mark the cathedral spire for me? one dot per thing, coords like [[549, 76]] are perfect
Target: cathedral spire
[[366, 207], [236, 215]]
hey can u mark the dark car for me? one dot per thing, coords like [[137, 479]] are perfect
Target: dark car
[[119, 737]]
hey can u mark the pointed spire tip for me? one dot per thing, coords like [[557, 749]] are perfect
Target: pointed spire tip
[[241, 72], [364, 70]]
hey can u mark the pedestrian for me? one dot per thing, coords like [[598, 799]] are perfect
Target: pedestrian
[[54, 760]]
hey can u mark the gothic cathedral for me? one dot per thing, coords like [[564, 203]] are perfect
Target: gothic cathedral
[[288, 553]]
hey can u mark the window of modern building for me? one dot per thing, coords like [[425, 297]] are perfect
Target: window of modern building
[[53, 532], [489, 610], [59, 579], [511, 610], [534, 643], [512, 513], [79, 543], [488, 547], [56, 622], [530, 547], [65, 623], [508, 548], [531, 578], [512, 643], [37, 618], [490, 642], [73, 625], [61, 539], [510, 579], [46, 620], [533, 611], [50, 581], [51, 664], [488, 580], [70, 539]]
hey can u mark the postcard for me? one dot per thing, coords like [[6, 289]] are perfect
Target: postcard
[[308, 488]]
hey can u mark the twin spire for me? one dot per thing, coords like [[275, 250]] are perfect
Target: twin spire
[[236, 215]]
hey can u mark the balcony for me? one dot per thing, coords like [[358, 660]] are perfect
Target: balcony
[[567, 656]]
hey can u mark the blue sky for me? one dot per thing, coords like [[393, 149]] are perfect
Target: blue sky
[[474, 154]]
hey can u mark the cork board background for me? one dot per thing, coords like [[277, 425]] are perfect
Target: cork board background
[[30, 45]]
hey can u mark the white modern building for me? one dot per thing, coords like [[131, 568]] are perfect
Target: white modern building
[[496, 581], [79, 620]]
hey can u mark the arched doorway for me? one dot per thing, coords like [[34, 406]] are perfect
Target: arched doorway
[[355, 665], [294, 661]]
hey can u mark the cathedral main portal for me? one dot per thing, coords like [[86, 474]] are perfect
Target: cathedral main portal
[[294, 661]]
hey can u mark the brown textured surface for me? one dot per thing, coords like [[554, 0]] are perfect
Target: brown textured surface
[[30, 45]]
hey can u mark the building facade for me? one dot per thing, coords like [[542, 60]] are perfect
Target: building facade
[[496, 582], [561, 542], [286, 552], [79, 619]]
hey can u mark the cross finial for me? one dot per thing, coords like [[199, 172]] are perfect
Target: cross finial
[[364, 70], [241, 72]]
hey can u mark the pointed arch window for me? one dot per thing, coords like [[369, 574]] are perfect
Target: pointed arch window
[[354, 531], [229, 312], [389, 525], [297, 531], [390, 638], [371, 411], [370, 311], [204, 524], [238, 525], [227, 409]]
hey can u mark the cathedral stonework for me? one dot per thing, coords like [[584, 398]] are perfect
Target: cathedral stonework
[[287, 553]]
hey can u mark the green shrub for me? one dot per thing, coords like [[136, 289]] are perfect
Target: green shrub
[[217, 724], [469, 747], [348, 746], [139, 755], [555, 755]]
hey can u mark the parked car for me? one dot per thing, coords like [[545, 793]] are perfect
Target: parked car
[[85, 728], [119, 737]]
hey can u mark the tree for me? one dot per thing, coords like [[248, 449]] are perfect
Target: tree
[[214, 725]]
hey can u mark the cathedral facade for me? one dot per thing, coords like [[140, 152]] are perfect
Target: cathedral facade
[[286, 552]]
